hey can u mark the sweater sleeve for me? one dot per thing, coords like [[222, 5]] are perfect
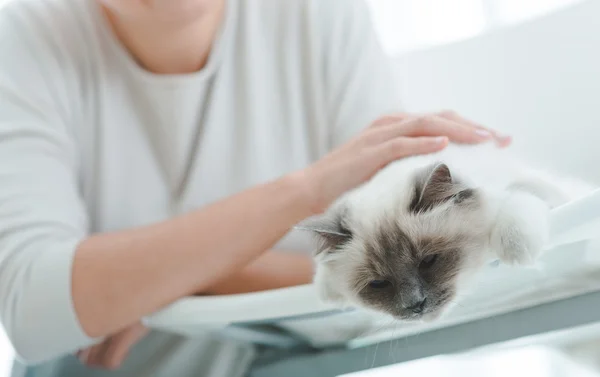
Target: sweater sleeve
[[42, 216], [360, 81]]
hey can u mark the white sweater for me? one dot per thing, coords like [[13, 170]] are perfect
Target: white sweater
[[90, 142]]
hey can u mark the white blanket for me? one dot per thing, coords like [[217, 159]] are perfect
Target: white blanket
[[570, 266]]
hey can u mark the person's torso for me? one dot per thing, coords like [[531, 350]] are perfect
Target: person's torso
[[151, 147], [154, 146]]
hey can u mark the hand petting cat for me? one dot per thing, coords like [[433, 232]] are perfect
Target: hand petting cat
[[409, 242], [447, 123], [388, 138]]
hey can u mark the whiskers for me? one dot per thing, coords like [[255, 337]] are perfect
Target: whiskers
[[391, 322], [394, 342], [372, 330]]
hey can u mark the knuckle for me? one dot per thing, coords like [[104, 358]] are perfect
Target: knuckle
[[395, 146], [391, 118], [370, 137], [384, 120], [427, 122], [402, 117]]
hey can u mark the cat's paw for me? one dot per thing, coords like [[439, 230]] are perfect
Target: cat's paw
[[521, 230], [329, 295], [515, 247], [326, 290]]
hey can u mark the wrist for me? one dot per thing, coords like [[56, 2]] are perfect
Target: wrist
[[305, 189]]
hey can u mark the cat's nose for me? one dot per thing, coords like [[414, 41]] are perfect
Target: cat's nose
[[418, 306]]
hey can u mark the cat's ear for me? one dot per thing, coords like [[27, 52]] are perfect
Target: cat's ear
[[330, 230], [435, 185]]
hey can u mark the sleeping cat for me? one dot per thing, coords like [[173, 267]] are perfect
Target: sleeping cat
[[406, 242]]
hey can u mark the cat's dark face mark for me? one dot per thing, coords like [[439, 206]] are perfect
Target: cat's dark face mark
[[409, 279], [412, 274]]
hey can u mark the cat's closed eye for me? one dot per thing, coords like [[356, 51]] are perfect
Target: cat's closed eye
[[379, 284], [428, 261]]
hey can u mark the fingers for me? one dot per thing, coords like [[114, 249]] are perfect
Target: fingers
[[454, 116], [390, 119], [111, 353], [429, 126], [92, 355], [119, 348], [388, 139], [446, 123], [408, 146], [501, 140], [83, 355], [432, 125]]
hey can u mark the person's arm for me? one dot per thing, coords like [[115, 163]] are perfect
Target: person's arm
[[205, 245], [272, 270]]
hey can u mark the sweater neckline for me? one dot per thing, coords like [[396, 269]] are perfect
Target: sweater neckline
[[222, 42]]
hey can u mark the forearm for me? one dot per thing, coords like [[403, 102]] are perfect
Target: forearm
[[122, 276], [271, 270]]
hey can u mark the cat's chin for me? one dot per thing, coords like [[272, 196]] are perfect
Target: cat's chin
[[426, 317], [433, 316], [429, 316]]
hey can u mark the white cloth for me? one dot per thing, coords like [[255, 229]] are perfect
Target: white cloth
[[90, 142]]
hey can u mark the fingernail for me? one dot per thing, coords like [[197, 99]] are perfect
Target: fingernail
[[440, 140], [483, 133], [504, 140]]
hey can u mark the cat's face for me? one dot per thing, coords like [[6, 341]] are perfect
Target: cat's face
[[407, 259]]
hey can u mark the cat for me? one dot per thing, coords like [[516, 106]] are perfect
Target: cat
[[411, 239]]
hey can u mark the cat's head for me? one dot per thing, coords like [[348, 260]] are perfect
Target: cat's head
[[402, 253]]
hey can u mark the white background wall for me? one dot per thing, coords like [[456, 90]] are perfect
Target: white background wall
[[539, 81], [416, 24]]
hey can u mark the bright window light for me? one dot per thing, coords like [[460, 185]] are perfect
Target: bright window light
[[408, 24], [414, 24], [509, 11]]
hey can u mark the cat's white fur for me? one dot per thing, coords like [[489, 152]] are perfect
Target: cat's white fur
[[513, 222]]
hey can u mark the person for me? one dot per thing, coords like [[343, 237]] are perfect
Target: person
[[153, 150]]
